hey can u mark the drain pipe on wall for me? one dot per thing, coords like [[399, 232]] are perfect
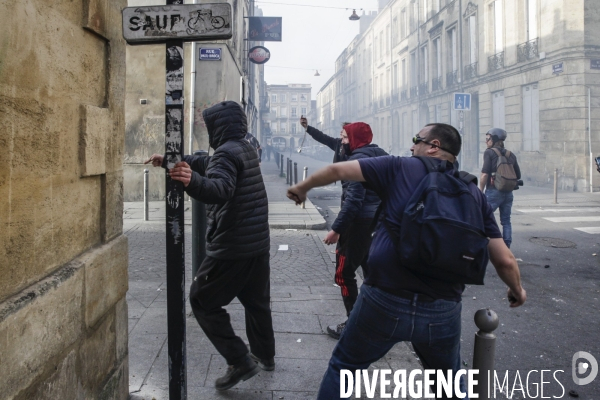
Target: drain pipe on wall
[[590, 137], [192, 95]]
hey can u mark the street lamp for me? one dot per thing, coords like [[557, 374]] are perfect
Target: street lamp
[[354, 16]]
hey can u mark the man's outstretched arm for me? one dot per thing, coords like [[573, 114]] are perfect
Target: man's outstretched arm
[[348, 171], [508, 270]]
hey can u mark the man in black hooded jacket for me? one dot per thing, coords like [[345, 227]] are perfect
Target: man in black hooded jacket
[[237, 243]]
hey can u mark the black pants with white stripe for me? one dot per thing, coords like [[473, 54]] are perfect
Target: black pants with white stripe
[[351, 252]]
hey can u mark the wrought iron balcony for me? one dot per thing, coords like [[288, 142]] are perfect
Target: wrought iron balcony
[[496, 62], [403, 95], [451, 78], [528, 50], [436, 84], [471, 71], [423, 88], [414, 90]]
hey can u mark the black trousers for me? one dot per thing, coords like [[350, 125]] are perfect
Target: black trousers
[[215, 285], [351, 252]]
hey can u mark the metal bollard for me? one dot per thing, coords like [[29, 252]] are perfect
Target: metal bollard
[[556, 186], [146, 188], [198, 229], [287, 170], [304, 178], [281, 165], [290, 169], [485, 350], [295, 173]]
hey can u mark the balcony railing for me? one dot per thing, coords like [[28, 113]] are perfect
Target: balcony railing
[[387, 101], [423, 88], [528, 50], [471, 71], [496, 62], [451, 78], [403, 95], [436, 84], [414, 90], [381, 103], [395, 98]]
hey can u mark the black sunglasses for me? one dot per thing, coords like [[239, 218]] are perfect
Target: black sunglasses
[[418, 139]]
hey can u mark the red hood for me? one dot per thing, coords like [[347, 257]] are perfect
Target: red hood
[[359, 135]]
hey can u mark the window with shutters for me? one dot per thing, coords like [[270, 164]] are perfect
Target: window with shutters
[[531, 118]]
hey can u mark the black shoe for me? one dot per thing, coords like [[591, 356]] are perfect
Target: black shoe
[[267, 365], [336, 331], [235, 373]]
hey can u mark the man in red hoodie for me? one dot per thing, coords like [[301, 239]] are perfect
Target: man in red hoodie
[[351, 230]]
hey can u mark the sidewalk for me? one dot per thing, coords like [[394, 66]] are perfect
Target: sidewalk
[[304, 302]]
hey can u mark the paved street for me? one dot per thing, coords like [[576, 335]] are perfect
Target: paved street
[[304, 301], [557, 245]]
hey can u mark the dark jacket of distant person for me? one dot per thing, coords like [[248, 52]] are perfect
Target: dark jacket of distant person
[[357, 201]]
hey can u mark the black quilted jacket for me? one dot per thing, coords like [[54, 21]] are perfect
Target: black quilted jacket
[[231, 185]]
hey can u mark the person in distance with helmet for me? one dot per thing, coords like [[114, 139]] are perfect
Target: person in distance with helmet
[[498, 199]]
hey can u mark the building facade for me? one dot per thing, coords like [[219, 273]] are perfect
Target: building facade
[[286, 103], [63, 255], [530, 66]]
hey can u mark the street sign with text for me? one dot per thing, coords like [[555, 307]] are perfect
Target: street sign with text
[[557, 68], [155, 24], [462, 101], [595, 64], [210, 54]]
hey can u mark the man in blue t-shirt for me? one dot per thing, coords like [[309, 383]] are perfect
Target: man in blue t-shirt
[[396, 304]]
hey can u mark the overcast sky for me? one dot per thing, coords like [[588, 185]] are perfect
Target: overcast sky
[[313, 38]]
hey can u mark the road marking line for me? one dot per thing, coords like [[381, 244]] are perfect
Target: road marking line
[[573, 219], [283, 247], [594, 230], [555, 210]]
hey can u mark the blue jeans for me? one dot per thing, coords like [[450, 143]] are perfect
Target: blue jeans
[[379, 320], [503, 201]]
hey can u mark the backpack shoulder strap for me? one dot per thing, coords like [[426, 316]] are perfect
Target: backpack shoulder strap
[[467, 177], [495, 150]]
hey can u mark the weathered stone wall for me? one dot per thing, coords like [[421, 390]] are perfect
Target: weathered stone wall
[[63, 257]]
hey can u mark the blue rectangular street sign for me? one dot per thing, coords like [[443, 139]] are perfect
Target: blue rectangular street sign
[[595, 64], [557, 68], [210, 54], [462, 101]]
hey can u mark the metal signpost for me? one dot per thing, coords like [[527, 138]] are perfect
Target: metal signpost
[[173, 24]]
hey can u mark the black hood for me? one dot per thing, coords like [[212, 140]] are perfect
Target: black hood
[[225, 121]]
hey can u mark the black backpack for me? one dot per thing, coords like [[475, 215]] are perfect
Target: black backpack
[[442, 233]]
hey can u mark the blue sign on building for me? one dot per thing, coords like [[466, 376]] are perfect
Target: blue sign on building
[[462, 101], [595, 64], [557, 68], [210, 54]]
